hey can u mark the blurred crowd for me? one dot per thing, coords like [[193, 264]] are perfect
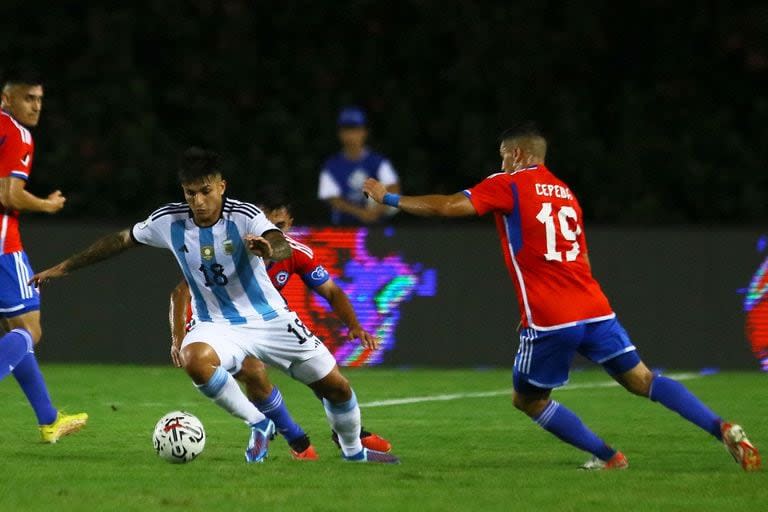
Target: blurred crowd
[[656, 114]]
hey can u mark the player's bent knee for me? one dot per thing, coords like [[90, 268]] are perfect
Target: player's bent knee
[[252, 366], [530, 405], [334, 387], [518, 402], [30, 322], [200, 361], [642, 386], [637, 380], [36, 334], [253, 374]]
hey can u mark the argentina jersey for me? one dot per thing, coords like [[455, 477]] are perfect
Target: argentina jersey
[[229, 284]]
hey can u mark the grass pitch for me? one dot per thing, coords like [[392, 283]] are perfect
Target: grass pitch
[[463, 453]]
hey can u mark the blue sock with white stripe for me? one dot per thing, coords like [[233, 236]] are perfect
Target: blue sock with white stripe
[[557, 419], [31, 380], [676, 397], [274, 408], [14, 346]]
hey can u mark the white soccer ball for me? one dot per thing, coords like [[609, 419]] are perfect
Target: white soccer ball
[[179, 437]]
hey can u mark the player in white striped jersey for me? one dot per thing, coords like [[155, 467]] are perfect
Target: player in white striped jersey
[[253, 374], [220, 245]]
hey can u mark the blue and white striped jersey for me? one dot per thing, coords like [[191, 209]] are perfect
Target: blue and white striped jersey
[[229, 284]]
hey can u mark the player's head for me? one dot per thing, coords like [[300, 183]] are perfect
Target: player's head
[[277, 209], [353, 130], [22, 96], [281, 216], [521, 146], [202, 183]]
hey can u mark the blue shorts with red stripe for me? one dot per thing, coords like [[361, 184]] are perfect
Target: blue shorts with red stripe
[[544, 358], [16, 296]]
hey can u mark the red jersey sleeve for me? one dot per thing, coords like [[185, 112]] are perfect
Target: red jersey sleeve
[[306, 265], [303, 260], [493, 194], [311, 271], [15, 150]]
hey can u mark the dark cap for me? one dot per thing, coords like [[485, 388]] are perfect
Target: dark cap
[[352, 117]]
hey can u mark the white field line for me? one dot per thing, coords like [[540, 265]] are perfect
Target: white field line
[[418, 399], [501, 392]]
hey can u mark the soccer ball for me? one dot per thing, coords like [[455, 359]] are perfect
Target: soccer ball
[[179, 437]]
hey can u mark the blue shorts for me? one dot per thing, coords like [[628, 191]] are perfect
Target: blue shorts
[[16, 296], [544, 357]]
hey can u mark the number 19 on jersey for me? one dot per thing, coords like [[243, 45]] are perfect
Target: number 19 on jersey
[[563, 215]]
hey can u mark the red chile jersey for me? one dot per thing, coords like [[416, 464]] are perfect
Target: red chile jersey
[[16, 153], [302, 262], [539, 223]]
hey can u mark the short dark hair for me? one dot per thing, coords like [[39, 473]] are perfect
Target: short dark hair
[[527, 137], [523, 129], [19, 75], [198, 163], [271, 198], [273, 207]]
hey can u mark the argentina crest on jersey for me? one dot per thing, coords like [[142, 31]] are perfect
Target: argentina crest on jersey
[[206, 252]]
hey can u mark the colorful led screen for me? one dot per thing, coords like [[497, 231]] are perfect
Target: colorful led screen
[[376, 285], [756, 307]]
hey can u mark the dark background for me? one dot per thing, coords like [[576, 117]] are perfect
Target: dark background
[[674, 289], [657, 116], [657, 112]]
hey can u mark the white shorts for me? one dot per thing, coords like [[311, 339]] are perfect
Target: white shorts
[[283, 342]]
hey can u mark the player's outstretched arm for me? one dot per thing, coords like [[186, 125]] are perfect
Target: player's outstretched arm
[[101, 249], [364, 215], [341, 305], [271, 244], [177, 317], [14, 195], [455, 205]]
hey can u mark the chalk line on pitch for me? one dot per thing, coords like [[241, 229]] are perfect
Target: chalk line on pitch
[[422, 399], [501, 392]]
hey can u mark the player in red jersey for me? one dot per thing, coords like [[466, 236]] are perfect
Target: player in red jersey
[[562, 308], [253, 373], [22, 101]]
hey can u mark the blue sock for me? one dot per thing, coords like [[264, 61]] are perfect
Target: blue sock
[[558, 420], [674, 396], [274, 408], [14, 346], [31, 380]]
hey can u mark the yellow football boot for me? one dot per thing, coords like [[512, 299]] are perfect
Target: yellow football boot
[[65, 424]]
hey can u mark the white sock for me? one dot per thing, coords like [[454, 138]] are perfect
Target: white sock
[[226, 393], [345, 421]]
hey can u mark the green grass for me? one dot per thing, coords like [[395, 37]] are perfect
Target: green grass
[[462, 454]]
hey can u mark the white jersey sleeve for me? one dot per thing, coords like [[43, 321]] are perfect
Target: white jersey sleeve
[[328, 187], [386, 174], [155, 230], [259, 224]]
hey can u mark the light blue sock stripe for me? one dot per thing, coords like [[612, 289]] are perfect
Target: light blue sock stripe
[[547, 413], [213, 387], [28, 337], [342, 407], [274, 401]]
